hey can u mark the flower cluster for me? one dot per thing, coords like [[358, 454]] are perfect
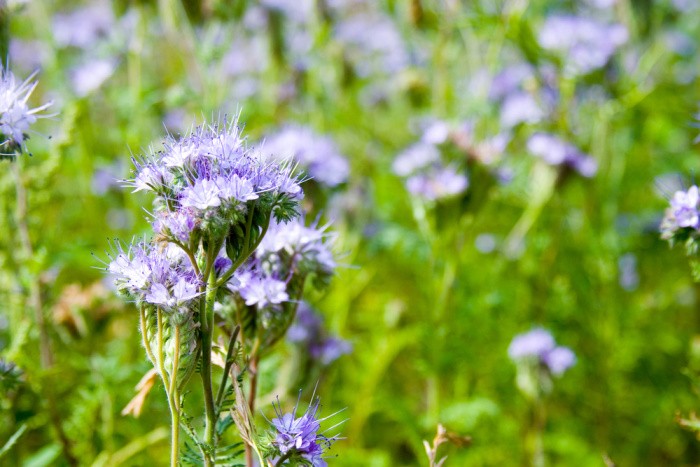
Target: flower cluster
[[557, 152], [308, 331], [520, 97], [539, 346], [269, 285], [296, 440], [426, 174], [318, 154], [584, 44], [15, 115], [681, 222], [211, 189], [156, 275]]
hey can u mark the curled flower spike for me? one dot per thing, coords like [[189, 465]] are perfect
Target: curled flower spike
[[297, 439]]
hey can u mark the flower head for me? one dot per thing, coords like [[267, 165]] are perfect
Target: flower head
[[297, 438], [309, 331], [317, 153], [15, 115], [555, 151], [539, 346], [584, 43]]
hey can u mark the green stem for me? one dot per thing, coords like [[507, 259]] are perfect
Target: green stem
[[159, 354], [206, 322], [174, 401], [144, 336], [227, 367]]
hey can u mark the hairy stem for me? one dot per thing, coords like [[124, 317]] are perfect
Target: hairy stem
[[253, 369], [174, 401], [206, 322], [144, 335], [159, 354], [227, 367]]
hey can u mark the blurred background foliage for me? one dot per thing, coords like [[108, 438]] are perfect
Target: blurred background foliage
[[432, 291]]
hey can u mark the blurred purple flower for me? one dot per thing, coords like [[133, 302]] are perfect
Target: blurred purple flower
[[538, 344], [373, 44], [684, 206], [584, 44], [510, 80], [520, 107], [559, 359], [82, 27], [438, 183], [555, 151], [414, 158], [264, 291], [91, 75], [27, 55], [106, 178], [628, 274], [319, 154], [308, 330]]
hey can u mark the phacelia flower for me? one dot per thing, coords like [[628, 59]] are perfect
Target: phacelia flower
[[318, 154], [555, 151], [15, 115], [82, 27], [585, 44], [685, 207], [437, 184], [89, 76], [539, 346], [373, 44], [298, 439], [308, 330], [415, 158]]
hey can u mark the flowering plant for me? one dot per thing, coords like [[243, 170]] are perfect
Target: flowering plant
[[229, 259]]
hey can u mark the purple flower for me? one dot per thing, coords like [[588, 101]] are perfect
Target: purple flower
[[534, 343], [559, 359], [510, 80], [628, 277], [204, 194], [82, 27], [437, 132], [415, 158], [15, 115], [147, 273], [308, 248], [151, 177], [520, 107], [538, 345], [264, 291], [437, 184], [330, 349], [373, 44], [90, 76], [584, 43], [556, 152], [179, 225], [685, 207], [235, 188], [299, 437], [317, 153], [308, 330]]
